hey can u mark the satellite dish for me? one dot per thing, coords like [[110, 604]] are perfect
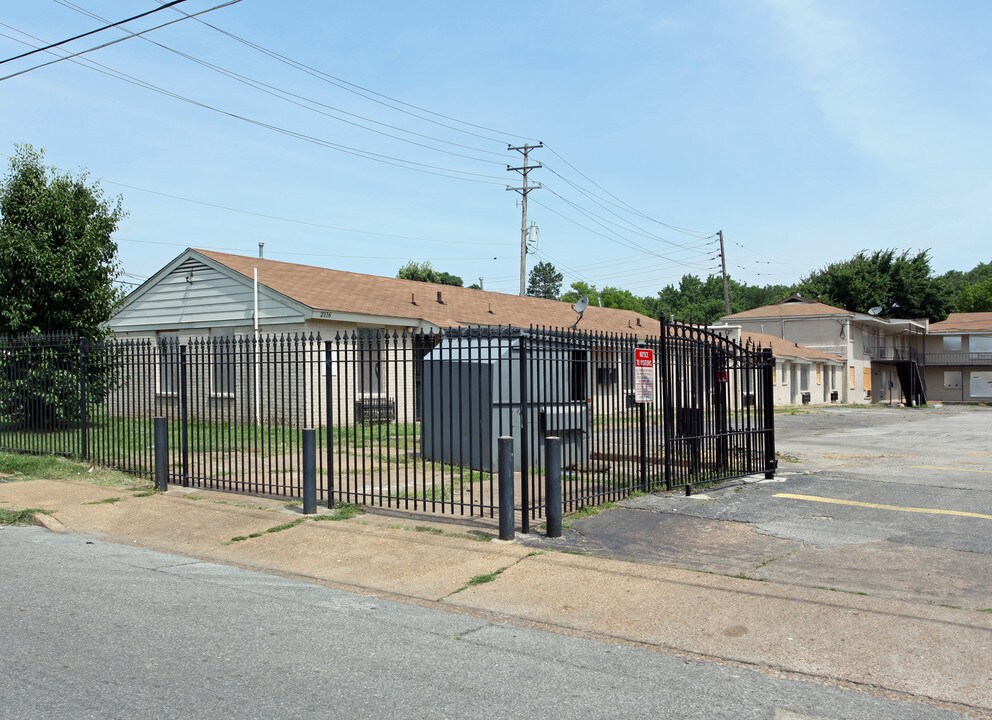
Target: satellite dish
[[579, 307], [875, 311]]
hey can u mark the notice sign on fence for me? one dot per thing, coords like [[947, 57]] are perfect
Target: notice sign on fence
[[643, 375]]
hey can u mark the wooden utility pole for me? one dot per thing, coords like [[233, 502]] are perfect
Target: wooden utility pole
[[524, 191], [726, 284]]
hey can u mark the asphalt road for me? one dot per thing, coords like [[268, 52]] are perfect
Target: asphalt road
[[891, 502], [95, 630]]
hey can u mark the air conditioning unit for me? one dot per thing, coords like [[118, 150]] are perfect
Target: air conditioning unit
[[372, 409]]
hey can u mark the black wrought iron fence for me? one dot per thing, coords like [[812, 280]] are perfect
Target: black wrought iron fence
[[403, 420]]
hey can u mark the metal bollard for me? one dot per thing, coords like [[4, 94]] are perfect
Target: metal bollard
[[552, 485], [506, 529], [309, 471], [161, 454]]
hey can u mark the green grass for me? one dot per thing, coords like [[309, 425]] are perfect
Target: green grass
[[146, 493], [342, 511], [135, 436], [485, 578], [273, 529], [25, 516], [51, 467], [105, 501], [430, 530]]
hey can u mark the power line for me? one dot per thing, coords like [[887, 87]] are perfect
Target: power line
[[118, 40], [92, 32], [413, 165], [297, 222], [299, 254], [367, 92], [676, 228], [619, 239], [307, 103]]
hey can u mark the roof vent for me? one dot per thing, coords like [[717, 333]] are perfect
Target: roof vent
[[440, 298], [413, 299], [638, 322], [491, 309]]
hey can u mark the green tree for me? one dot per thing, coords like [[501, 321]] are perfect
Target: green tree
[[974, 298], [903, 285], [967, 289], [58, 264], [425, 272], [544, 281], [612, 297], [580, 289]]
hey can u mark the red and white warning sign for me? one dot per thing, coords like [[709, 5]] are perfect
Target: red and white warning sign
[[643, 375]]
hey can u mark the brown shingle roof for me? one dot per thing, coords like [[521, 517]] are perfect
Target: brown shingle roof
[[787, 348], [964, 322], [348, 292], [807, 308]]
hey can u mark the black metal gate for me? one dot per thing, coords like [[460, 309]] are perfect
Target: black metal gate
[[719, 418]]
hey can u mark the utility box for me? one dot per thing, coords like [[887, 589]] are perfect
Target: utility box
[[806, 397], [472, 396]]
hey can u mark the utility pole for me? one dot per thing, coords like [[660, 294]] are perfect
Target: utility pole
[[726, 284], [524, 191]]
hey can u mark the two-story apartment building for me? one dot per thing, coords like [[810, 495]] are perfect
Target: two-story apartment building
[[959, 358], [880, 357]]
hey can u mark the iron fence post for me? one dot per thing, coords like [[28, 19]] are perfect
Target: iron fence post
[[328, 411], [183, 416], [524, 439], [506, 531], [84, 447], [161, 454], [668, 419], [309, 471], [767, 366], [552, 485]]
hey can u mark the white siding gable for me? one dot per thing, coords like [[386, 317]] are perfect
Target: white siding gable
[[195, 295]]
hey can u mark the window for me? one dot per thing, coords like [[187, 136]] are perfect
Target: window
[[774, 371], [222, 361], [851, 373], [980, 384], [866, 379], [952, 343], [819, 373], [980, 343], [580, 363], [952, 380], [606, 376], [168, 363], [804, 378]]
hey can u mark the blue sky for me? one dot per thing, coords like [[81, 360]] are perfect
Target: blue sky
[[806, 131]]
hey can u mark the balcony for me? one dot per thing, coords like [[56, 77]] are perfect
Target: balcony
[[958, 358], [894, 354]]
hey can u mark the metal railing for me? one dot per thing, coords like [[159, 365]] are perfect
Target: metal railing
[[959, 358], [403, 420]]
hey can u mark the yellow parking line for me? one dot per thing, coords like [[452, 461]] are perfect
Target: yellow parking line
[[952, 469], [878, 506]]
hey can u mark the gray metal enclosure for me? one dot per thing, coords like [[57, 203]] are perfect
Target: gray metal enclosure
[[476, 389]]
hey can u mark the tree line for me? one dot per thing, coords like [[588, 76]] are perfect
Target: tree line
[[898, 284]]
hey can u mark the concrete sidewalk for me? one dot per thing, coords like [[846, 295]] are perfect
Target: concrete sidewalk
[[934, 654]]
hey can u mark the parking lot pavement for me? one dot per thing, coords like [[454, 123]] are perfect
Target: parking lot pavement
[[888, 502]]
